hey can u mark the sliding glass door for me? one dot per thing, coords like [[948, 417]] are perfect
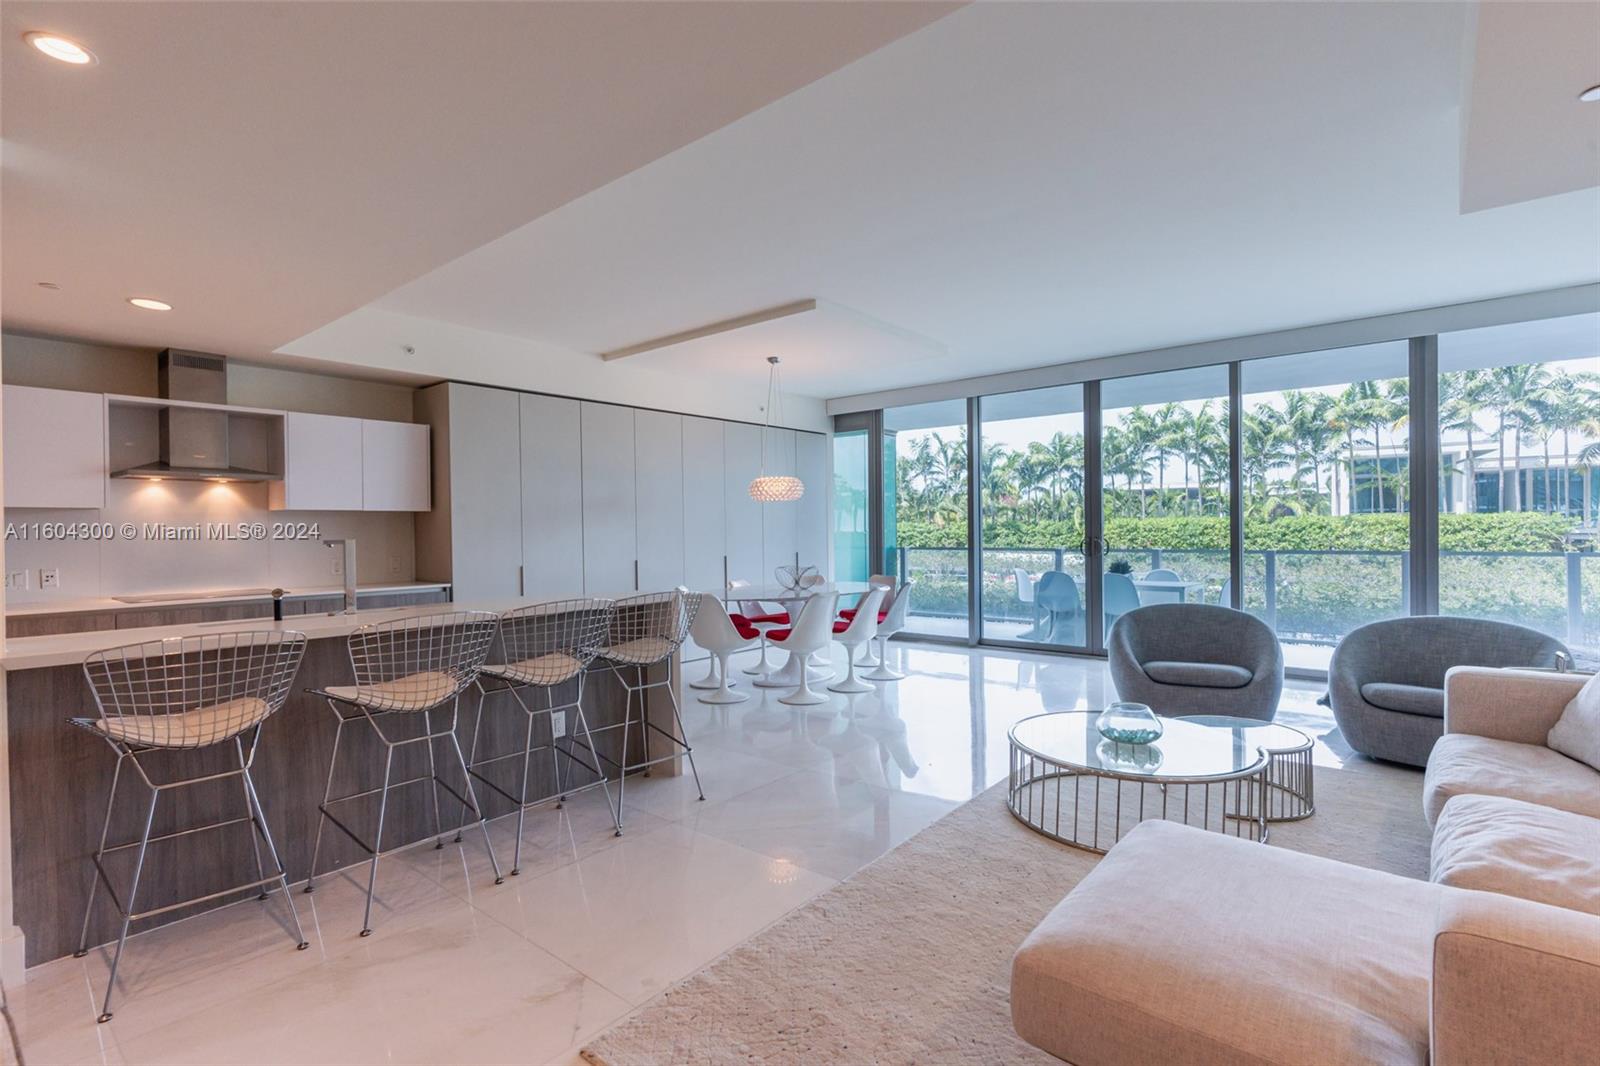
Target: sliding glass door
[[1166, 483], [1519, 477], [852, 548], [1326, 478], [1031, 492], [925, 512]]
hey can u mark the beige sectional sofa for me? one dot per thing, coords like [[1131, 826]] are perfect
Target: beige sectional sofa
[[1194, 947]]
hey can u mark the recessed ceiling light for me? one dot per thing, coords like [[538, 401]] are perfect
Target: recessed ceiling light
[[58, 47], [149, 304], [1590, 95]]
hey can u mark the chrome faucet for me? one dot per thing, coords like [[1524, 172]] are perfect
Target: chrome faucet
[[349, 571]]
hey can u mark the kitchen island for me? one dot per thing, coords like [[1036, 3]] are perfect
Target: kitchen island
[[60, 776]]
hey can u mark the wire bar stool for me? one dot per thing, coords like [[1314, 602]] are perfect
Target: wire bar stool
[[547, 646], [187, 694], [647, 631], [405, 668]]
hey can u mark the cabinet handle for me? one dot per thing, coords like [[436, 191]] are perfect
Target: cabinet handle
[[521, 583], [724, 571], [636, 575]]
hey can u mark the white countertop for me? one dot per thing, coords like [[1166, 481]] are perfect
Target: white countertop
[[69, 649], [90, 605]]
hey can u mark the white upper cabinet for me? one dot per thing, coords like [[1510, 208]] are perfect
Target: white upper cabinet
[[705, 540], [658, 498], [610, 551], [55, 448], [321, 464], [394, 466], [811, 467], [337, 463]]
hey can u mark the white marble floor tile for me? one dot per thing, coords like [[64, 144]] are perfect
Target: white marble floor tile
[[551, 838], [648, 912], [724, 775], [820, 823], [461, 988]]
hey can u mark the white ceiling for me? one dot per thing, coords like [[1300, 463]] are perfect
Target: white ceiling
[[1525, 132], [510, 189], [1037, 183], [269, 167]]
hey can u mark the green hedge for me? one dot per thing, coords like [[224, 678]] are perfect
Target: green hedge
[[1516, 532]]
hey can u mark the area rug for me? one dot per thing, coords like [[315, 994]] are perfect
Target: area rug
[[909, 960]]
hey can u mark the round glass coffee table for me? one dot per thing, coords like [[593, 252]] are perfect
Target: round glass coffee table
[[1072, 785], [1289, 795]]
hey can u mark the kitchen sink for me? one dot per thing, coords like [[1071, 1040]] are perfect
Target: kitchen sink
[[217, 594]]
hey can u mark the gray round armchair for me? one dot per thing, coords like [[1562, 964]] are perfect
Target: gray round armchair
[[1386, 679], [1196, 658]]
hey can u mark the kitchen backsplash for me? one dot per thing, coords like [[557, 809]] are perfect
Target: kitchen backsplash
[[173, 536]]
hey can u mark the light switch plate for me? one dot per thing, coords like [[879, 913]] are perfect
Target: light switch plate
[[17, 579], [558, 724], [50, 578], [338, 560]]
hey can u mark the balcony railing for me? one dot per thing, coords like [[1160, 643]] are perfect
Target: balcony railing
[[1309, 597]]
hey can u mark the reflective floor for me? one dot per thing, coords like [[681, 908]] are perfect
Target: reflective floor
[[462, 970]]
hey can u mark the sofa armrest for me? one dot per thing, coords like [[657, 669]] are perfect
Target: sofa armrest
[[1515, 705], [1513, 981]]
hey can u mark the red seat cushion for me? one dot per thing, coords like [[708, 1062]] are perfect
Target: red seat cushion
[[840, 627], [781, 619], [850, 613], [745, 629], [779, 635]]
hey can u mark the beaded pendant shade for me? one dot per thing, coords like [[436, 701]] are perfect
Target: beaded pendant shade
[[774, 488]]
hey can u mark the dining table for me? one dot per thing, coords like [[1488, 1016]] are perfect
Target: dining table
[[788, 675]]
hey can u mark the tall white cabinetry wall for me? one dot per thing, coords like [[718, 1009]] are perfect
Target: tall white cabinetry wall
[[547, 498], [705, 511], [552, 498]]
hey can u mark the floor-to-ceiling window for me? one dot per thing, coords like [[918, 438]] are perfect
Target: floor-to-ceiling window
[[1519, 470], [1165, 478], [1032, 495], [1326, 487], [852, 548], [925, 512]]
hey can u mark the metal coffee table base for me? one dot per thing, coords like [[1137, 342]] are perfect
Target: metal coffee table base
[[1091, 810]]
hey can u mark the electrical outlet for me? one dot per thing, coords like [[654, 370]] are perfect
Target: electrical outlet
[[558, 725], [338, 560], [17, 579], [50, 578]]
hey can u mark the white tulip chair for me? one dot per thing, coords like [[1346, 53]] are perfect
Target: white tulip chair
[[883, 581], [892, 623], [812, 631], [714, 631], [853, 634]]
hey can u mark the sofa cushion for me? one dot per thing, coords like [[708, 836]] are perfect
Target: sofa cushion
[[1466, 765], [1577, 732], [1198, 675], [1407, 699], [1495, 844], [1184, 946]]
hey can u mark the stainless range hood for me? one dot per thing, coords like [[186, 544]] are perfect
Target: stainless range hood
[[194, 440]]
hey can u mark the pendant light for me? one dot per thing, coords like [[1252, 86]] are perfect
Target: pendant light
[[774, 488]]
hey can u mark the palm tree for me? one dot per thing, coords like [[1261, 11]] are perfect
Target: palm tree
[[1515, 388], [1462, 395]]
